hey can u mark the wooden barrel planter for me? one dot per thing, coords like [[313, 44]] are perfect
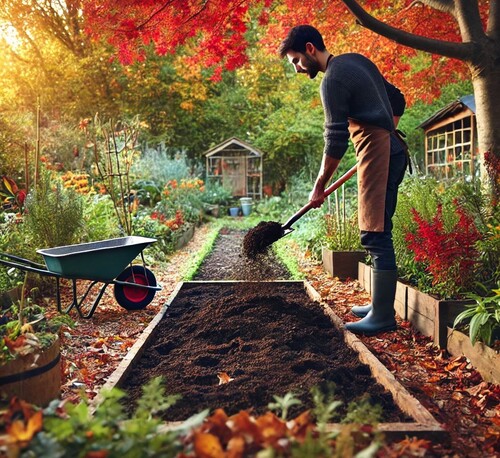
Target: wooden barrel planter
[[37, 382]]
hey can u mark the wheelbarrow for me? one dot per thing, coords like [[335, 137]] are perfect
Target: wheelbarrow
[[103, 262]]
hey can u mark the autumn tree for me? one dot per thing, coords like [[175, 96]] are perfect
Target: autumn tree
[[427, 44], [479, 49]]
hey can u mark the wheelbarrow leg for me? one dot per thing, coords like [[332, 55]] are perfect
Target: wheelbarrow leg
[[78, 304], [96, 301], [68, 308]]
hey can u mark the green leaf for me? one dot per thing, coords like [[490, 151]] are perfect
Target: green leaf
[[475, 324], [192, 422]]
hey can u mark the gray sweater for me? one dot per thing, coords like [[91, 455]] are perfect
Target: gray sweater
[[353, 87]]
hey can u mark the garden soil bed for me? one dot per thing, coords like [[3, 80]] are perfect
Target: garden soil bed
[[268, 338], [448, 387]]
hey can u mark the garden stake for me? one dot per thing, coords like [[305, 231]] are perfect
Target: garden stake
[[258, 239]]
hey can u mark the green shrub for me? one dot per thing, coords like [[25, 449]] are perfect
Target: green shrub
[[341, 233], [11, 242], [216, 194], [482, 318], [147, 226], [159, 167], [110, 431], [184, 196], [147, 191], [428, 210], [54, 214], [99, 218]]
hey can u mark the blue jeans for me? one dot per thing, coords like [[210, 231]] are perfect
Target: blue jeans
[[379, 245]]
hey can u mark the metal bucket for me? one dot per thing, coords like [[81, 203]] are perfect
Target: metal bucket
[[246, 205]]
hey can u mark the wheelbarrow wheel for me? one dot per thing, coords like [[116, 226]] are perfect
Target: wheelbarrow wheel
[[131, 297]]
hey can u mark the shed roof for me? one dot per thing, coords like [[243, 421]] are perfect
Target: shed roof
[[467, 101], [234, 144]]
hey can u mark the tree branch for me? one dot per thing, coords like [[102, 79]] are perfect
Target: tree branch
[[445, 6], [493, 26], [461, 51], [469, 20]]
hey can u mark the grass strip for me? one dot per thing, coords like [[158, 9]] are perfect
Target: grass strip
[[286, 251], [193, 266]]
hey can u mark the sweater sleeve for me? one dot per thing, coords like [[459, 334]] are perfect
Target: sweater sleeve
[[396, 98], [336, 127]]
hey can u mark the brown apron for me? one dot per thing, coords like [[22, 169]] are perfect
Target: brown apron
[[373, 147]]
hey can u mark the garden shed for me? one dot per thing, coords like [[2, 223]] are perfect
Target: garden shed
[[237, 166], [451, 140]]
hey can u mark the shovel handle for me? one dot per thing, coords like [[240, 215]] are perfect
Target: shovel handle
[[335, 185]]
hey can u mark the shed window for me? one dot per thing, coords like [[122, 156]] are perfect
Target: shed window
[[449, 150]]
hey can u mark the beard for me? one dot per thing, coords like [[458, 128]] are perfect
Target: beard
[[312, 68]]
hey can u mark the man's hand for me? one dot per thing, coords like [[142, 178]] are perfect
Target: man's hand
[[317, 196], [328, 167]]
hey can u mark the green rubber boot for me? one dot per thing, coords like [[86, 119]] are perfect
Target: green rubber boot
[[361, 310], [381, 317]]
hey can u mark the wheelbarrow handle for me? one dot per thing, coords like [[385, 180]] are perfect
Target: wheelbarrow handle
[[335, 185]]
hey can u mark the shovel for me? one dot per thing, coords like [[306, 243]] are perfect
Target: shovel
[[266, 233], [337, 184]]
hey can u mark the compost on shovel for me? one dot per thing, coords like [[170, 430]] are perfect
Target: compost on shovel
[[261, 237], [266, 233]]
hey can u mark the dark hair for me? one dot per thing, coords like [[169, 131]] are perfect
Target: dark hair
[[298, 37]]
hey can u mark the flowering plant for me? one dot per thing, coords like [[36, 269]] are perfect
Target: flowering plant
[[449, 255], [13, 197], [182, 195]]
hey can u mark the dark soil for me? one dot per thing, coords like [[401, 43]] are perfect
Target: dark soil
[[261, 237], [269, 338], [227, 261]]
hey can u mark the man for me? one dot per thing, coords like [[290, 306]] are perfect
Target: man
[[359, 103]]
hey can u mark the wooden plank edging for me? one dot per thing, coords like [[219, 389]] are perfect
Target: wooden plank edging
[[135, 352], [404, 400], [424, 426]]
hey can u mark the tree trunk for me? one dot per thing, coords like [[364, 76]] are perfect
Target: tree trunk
[[486, 88]]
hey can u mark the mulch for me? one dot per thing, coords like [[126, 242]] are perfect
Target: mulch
[[450, 388]]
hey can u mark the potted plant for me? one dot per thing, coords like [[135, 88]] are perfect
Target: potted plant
[[29, 353], [342, 250]]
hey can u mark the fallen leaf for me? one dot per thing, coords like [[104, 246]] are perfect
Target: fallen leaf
[[456, 363], [243, 423], [224, 378], [236, 447], [207, 446], [430, 365], [271, 427], [216, 424], [24, 432]]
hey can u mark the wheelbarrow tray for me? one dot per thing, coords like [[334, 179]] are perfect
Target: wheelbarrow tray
[[99, 261]]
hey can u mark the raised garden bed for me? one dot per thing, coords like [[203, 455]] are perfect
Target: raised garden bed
[[271, 338], [429, 315], [485, 359], [342, 264]]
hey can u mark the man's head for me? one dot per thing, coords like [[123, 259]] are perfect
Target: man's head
[[302, 46]]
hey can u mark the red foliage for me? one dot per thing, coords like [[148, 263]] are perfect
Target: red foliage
[[216, 32], [450, 256], [218, 26]]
